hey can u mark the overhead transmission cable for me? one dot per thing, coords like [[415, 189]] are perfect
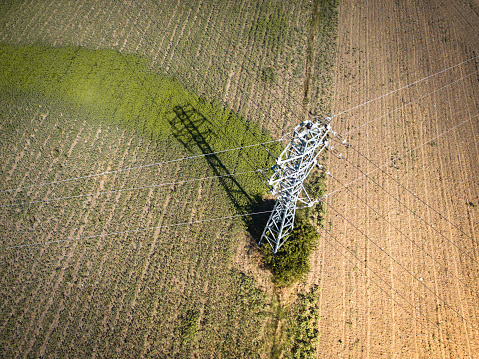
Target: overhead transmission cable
[[406, 236], [214, 153], [135, 230], [363, 264], [324, 197], [404, 154], [409, 103], [334, 115], [409, 85], [405, 87], [205, 220], [403, 267], [140, 229], [222, 151], [415, 196], [409, 191], [413, 212], [248, 160], [295, 100], [243, 146], [136, 167], [130, 189], [263, 143], [189, 62]]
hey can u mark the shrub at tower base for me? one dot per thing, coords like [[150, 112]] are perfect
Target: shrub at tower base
[[291, 262]]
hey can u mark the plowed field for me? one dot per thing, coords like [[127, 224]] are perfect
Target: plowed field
[[398, 261], [100, 265]]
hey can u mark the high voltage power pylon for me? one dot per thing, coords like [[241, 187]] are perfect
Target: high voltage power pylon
[[290, 171]]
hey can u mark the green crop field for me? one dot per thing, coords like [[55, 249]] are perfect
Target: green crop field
[[112, 244]]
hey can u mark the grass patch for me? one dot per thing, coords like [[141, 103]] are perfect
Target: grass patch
[[303, 327], [190, 327], [268, 75], [271, 27], [299, 335], [104, 85]]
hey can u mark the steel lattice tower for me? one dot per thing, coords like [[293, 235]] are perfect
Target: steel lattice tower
[[291, 169]]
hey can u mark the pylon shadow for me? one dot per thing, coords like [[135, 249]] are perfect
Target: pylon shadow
[[256, 224], [194, 131]]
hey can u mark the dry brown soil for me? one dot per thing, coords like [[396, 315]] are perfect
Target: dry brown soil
[[398, 260]]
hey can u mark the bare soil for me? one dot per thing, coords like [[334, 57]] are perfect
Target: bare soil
[[398, 259]]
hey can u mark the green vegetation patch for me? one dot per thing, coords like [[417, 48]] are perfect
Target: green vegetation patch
[[108, 86], [271, 27], [190, 327], [291, 261], [303, 328]]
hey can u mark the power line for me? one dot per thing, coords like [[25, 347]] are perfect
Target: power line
[[399, 230], [263, 143], [403, 267], [137, 167], [404, 87], [414, 213], [409, 103], [256, 76], [157, 185], [297, 102], [129, 189], [232, 149], [135, 230], [190, 63], [409, 85], [362, 263], [248, 160], [252, 145], [214, 219], [414, 195], [402, 155]]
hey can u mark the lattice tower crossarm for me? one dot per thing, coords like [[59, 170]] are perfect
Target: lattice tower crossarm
[[289, 173]]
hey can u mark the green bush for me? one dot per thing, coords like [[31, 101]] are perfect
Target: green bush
[[291, 262], [268, 75], [190, 327]]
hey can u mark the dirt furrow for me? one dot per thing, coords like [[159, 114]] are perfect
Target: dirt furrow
[[149, 265], [160, 46], [95, 282], [21, 153], [50, 304], [354, 14], [36, 9]]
